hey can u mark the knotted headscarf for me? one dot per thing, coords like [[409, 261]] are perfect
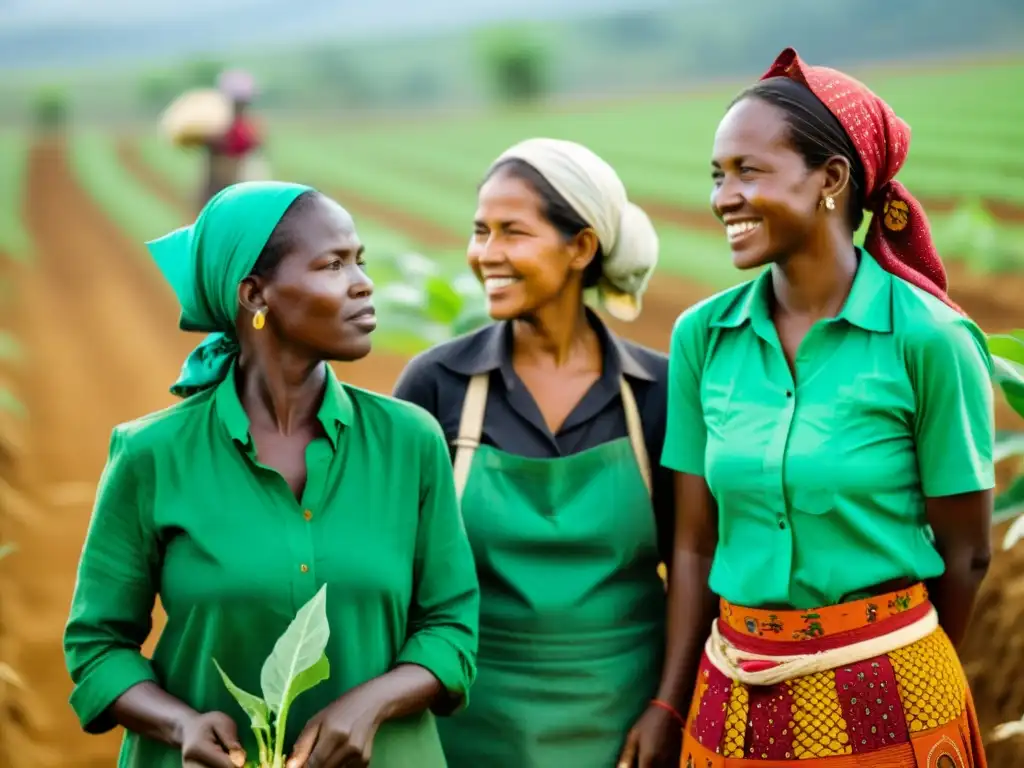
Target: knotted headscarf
[[595, 191], [205, 262], [898, 236]]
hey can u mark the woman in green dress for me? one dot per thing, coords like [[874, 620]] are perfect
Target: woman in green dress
[[270, 480], [553, 420]]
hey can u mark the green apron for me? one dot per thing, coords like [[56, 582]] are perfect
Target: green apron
[[572, 615]]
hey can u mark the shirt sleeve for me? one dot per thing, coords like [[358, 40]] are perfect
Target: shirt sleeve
[[416, 385], [444, 616], [685, 431], [115, 591], [955, 419]]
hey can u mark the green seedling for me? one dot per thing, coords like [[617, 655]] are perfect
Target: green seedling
[[297, 663]]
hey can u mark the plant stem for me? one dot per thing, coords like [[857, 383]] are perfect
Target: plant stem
[[279, 733], [261, 742]]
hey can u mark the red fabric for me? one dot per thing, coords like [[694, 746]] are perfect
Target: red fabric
[[872, 708], [712, 706], [769, 736], [898, 237], [241, 138]]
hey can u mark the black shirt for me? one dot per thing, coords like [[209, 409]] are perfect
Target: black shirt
[[437, 380]]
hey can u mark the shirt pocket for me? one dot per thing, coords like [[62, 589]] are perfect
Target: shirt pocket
[[872, 408], [716, 403]]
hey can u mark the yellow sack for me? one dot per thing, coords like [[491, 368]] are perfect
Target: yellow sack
[[196, 116]]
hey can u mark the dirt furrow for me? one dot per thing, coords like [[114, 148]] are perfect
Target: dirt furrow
[[130, 157], [101, 333]]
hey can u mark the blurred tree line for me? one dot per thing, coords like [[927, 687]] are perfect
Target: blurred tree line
[[516, 63]]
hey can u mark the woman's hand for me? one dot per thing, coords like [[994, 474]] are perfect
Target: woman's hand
[[654, 742], [210, 740], [340, 735]]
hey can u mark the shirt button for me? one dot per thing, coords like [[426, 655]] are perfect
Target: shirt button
[[789, 393], [307, 515], [782, 525], [304, 568]]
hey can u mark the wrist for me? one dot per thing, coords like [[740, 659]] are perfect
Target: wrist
[[178, 725], [670, 709]]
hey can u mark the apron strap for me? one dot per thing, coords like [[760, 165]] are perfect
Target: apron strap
[[635, 430], [472, 421], [471, 426]]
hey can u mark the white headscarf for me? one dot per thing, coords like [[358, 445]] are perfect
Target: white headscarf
[[597, 194]]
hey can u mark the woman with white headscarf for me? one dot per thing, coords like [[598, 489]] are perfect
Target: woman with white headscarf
[[553, 423]]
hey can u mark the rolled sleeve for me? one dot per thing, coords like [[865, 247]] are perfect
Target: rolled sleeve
[[444, 617], [685, 432], [955, 421], [112, 605]]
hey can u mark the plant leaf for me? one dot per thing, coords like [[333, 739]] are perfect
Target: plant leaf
[[1014, 533], [8, 675], [296, 650], [1009, 346], [307, 678], [1008, 730], [1010, 377], [253, 706], [1010, 502], [1008, 444], [443, 302]]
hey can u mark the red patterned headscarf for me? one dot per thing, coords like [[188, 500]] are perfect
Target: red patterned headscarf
[[899, 236]]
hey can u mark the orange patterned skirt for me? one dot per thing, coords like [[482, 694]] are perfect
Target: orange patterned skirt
[[907, 708]]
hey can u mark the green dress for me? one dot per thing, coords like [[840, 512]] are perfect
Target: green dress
[[186, 511], [572, 608]]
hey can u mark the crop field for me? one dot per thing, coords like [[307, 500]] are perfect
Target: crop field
[[99, 327]]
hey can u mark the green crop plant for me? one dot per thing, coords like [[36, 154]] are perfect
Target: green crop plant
[[1007, 351], [429, 303], [297, 663], [1008, 356]]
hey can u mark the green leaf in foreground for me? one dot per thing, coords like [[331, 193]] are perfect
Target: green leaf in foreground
[[297, 663], [255, 708], [298, 649]]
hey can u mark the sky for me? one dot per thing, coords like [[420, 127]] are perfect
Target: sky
[[58, 33]]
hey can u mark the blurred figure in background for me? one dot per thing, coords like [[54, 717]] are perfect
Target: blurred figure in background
[[234, 155], [217, 122]]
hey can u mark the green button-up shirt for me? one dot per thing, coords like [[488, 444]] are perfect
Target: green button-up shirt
[[821, 477], [184, 510]]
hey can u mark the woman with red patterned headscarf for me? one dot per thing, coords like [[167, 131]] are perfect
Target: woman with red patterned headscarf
[[830, 424]]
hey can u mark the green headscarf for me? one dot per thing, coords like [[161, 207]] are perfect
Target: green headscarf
[[205, 262]]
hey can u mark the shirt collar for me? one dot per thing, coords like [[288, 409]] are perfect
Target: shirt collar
[[336, 410], [869, 305], [493, 352]]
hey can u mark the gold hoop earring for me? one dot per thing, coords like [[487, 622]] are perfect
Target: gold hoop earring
[[259, 319], [830, 202]]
